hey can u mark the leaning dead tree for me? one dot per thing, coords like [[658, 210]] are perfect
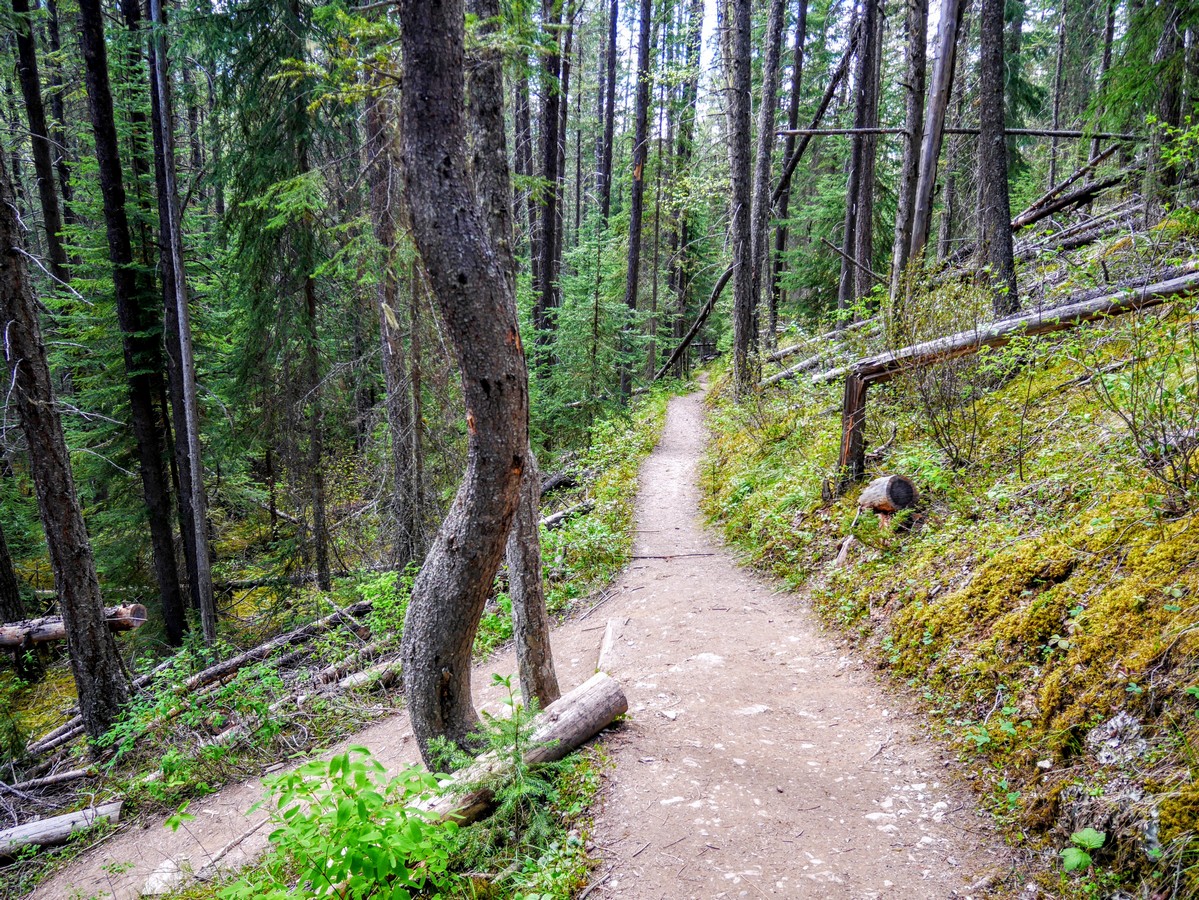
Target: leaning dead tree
[[877, 369]]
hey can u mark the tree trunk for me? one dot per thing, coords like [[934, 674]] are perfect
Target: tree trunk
[[1105, 62], [382, 172], [738, 30], [58, 132], [995, 214], [1058, 86], [938, 103], [784, 200], [1160, 178], [12, 605], [39, 135], [864, 224], [763, 168], [180, 355], [530, 619], [609, 115], [551, 101], [637, 203], [859, 199], [138, 324], [678, 278], [479, 312], [522, 120], [99, 678], [916, 52]]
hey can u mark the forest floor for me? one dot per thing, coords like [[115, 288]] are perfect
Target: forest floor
[[761, 756]]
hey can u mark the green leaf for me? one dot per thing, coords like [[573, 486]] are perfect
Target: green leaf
[[1089, 838], [1074, 859]]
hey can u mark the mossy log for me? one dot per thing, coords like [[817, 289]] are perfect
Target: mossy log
[[54, 831], [563, 726], [889, 494], [14, 635]]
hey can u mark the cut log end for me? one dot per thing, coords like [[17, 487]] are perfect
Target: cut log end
[[889, 494]]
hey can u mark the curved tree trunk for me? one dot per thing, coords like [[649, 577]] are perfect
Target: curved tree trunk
[[99, 678], [475, 297]]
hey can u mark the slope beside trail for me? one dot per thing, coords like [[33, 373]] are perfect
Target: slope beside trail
[[760, 757]]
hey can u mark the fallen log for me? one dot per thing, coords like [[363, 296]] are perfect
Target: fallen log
[[886, 366], [559, 517], [717, 290], [71, 729], [889, 494], [851, 462], [34, 784], [344, 667], [1074, 198], [126, 617], [564, 725], [384, 675], [1062, 185], [58, 829]]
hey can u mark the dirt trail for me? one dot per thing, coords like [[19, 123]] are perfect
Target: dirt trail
[[761, 758]]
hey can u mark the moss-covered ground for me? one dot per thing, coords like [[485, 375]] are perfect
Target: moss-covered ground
[[1043, 599]]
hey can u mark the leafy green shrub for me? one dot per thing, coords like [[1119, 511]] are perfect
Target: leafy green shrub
[[344, 827], [1154, 391]]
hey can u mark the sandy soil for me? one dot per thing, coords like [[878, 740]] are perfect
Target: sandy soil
[[760, 758]]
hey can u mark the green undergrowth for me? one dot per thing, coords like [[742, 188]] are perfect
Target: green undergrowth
[[1043, 599], [174, 744]]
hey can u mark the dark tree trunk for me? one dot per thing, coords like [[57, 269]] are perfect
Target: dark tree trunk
[[12, 605], [39, 135], [181, 364], [95, 664], [1058, 89], [995, 215], [740, 197], [784, 200], [859, 199], [478, 308], [1160, 177], [637, 202], [609, 116], [545, 289], [135, 313], [524, 168], [382, 177], [864, 224], [916, 25], [58, 132], [760, 204], [1105, 62], [939, 94], [679, 277]]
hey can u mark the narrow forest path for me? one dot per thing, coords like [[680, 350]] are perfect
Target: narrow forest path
[[761, 757]]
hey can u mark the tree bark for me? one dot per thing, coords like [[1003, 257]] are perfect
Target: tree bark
[[760, 206], [530, 619], [995, 213], [738, 29], [916, 53], [859, 202], [784, 200], [479, 312], [940, 91], [180, 353], [1058, 87], [605, 191], [39, 135], [138, 324], [58, 133], [545, 290], [12, 605], [637, 203], [95, 665]]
